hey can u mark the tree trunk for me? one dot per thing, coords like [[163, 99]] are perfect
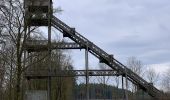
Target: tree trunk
[[19, 57], [17, 97]]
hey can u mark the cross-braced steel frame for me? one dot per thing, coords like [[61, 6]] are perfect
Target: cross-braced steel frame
[[80, 42]]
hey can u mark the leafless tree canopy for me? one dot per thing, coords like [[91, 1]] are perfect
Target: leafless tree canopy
[[166, 81], [135, 65], [152, 76], [13, 35]]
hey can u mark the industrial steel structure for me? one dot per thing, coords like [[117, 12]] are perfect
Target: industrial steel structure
[[69, 73], [39, 13]]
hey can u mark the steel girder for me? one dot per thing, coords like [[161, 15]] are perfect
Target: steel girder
[[32, 74], [42, 45]]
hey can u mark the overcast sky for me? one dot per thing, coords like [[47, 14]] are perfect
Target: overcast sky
[[125, 28]]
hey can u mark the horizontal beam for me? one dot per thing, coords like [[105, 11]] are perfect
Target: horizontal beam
[[30, 74], [42, 45]]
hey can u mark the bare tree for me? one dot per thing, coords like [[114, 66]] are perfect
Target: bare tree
[[117, 83], [166, 81], [136, 66], [2, 76], [103, 79], [152, 76], [12, 20]]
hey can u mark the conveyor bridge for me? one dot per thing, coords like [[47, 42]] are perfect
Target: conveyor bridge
[[105, 57]]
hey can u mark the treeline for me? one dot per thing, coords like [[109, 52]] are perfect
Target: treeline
[[107, 92]]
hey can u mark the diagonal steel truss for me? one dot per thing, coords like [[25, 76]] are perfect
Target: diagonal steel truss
[[105, 57]]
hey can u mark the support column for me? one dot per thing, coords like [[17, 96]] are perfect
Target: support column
[[28, 69], [87, 73], [49, 49], [123, 97], [142, 95], [126, 90]]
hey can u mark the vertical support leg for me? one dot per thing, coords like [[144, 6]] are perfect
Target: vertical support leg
[[105, 89], [49, 48], [117, 87], [29, 62], [87, 73], [123, 97], [23, 80], [142, 95], [126, 92], [49, 88]]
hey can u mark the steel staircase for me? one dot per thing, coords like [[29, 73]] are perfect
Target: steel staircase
[[105, 57]]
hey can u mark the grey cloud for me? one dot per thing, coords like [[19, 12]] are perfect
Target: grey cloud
[[149, 51], [123, 27]]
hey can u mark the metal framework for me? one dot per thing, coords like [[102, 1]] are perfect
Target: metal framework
[[31, 74], [80, 43], [42, 45], [37, 12], [106, 58]]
